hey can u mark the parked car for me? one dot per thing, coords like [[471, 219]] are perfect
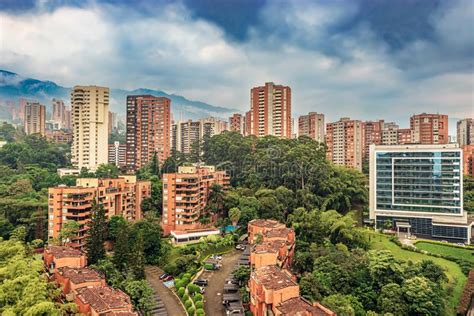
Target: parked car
[[164, 275], [215, 257], [168, 278], [202, 290], [240, 247], [201, 282]]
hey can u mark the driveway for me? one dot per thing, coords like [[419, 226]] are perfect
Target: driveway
[[213, 295], [171, 302]]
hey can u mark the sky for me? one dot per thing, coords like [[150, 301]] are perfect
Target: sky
[[365, 59]]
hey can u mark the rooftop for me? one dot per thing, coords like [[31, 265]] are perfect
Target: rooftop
[[80, 275], [267, 223], [273, 278], [104, 298], [64, 252], [279, 232], [300, 306], [269, 246]]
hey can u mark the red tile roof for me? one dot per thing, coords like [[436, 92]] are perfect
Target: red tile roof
[[104, 298]]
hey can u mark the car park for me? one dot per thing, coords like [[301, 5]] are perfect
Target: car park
[[201, 282]]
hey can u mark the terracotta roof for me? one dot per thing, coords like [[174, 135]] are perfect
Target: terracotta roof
[[123, 313], [104, 298], [299, 306], [467, 295], [272, 277], [268, 223], [63, 252], [269, 246], [279, 232], [80, 275]]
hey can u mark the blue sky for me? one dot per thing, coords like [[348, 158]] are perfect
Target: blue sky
[[366, 59]]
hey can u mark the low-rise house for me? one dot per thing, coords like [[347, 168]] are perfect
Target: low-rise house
[[270, 286], [103, 300], [298, 306], [70, 279], [258, 227], [56, 257], [276, 252]]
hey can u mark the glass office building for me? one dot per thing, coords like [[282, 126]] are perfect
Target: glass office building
[[421, 187]]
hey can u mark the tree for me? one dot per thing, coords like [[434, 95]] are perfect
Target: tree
[[155, 250], [116, 223], [432, 272], [136, 260], [107, 171], [68, 231], [391, 300], [97, 234], [423, 297], [234, 215], [340, 304], [122, 255], [215, 199], [140, 294], [242, 274]]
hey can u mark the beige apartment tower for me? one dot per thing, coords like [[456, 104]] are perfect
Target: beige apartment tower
[[90, 127], [34, 119], [345, 142], [312, 125]]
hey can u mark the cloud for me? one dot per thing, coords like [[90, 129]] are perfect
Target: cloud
[[350, 72]]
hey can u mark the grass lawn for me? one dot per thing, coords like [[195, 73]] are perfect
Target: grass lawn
[[456, 278], [460, 253]]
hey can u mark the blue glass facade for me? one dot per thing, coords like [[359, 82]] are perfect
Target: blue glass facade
[[416, 181]]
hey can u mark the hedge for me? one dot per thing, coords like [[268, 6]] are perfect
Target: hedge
[[199, 304], [193, 288], [181, 291], [197, 297], [188, 303], [199, 312], [191, 310]]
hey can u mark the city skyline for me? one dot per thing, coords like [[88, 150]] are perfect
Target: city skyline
[[345, 59]]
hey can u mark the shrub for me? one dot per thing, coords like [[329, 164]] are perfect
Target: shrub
[[191, 310], [198, 304], [185, 297], [198, 297], [181, 291], [188, 303], [170, 268], [199, 312], [187, 276], [193, 289]]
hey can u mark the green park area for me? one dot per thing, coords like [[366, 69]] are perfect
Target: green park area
[[456, 252], [456, 279]]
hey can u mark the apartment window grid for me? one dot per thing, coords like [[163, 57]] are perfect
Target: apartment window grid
[[419, 181]]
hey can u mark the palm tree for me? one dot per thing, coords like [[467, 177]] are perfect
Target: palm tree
[[234, 215]]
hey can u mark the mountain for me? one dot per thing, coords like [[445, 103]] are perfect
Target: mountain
[[14, 86]]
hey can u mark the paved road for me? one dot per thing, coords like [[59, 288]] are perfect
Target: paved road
[[170, 303], [213, 295]]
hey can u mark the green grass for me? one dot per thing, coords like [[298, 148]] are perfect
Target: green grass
[[456, 279], [460, 253]]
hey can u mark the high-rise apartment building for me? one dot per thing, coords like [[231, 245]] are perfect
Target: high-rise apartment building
[[118, 154], [418, 189], [59, 112], [270, 110], [390, 134], [248, 123], [403, 136], [112, 121], [372, 134], [465, 132], [148, 129], [90, 116], [237, 123], [34, 120], [344, 140], [429, 129], [67, 119], [186, 134], [312, 125], [185, 195], [121, 196], [468, 159]]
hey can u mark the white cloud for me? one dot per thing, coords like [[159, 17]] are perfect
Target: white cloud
[[172, 51]]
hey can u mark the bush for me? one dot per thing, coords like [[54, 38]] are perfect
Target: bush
[[187, 276], [198, 297], [193, 289], [191, 310], [188, 303], [185, 297], [199, 312], [170, 268], [198, 304], [181, 291]]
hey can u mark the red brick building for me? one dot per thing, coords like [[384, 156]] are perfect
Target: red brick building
[[236, 123], [103, 300], [345, 143], [429, 129], [70, 279], [270, 111], [312, 125], [148, 130], [468, 159], [56, 257]]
